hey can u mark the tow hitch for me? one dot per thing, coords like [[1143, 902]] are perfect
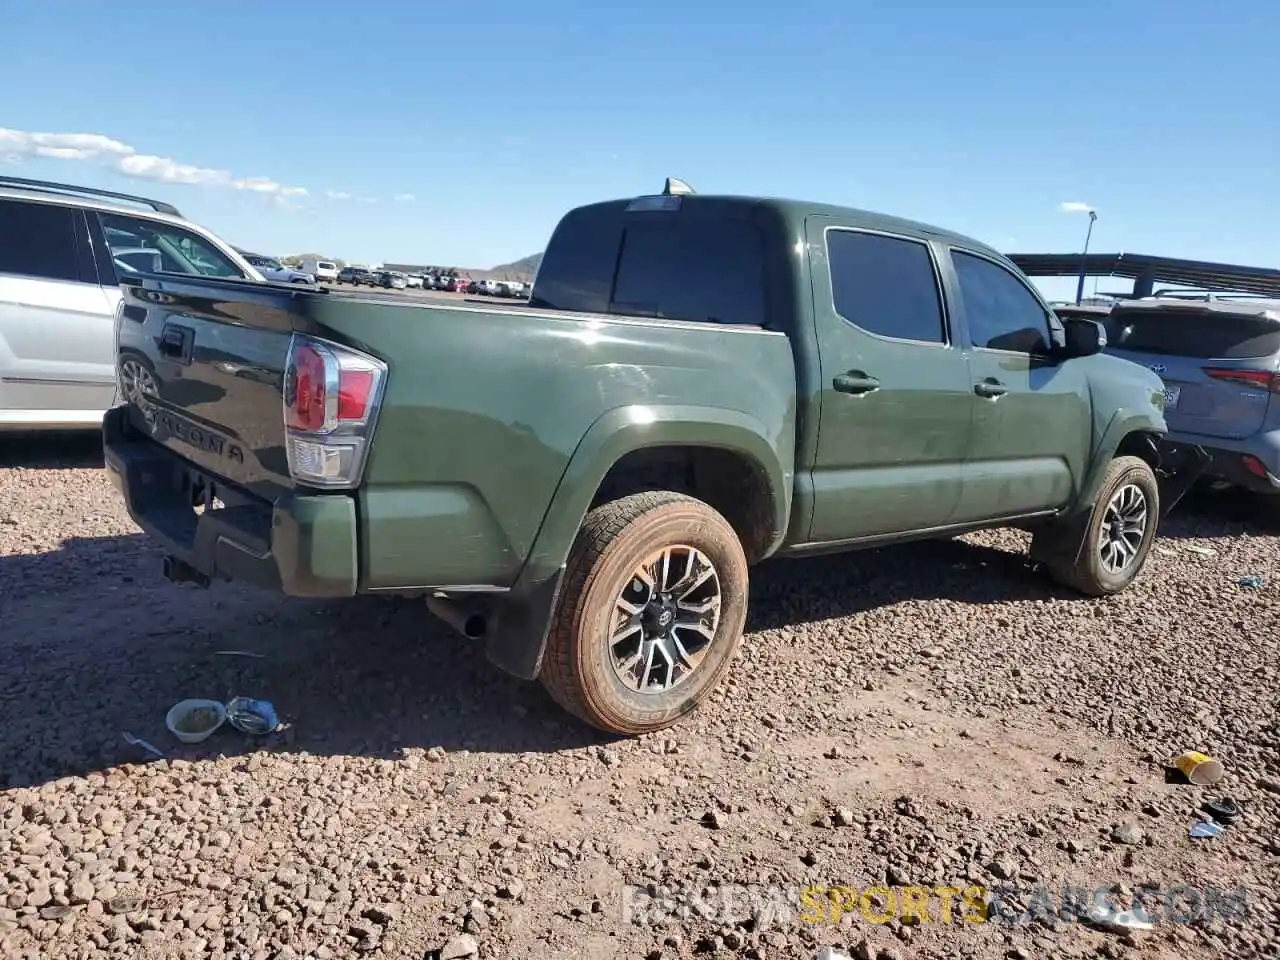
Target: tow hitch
[[1178, 467]]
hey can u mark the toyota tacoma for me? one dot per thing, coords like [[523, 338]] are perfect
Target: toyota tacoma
[[583, 482]]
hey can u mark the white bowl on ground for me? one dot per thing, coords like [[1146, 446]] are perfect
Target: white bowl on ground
[[182, 711]]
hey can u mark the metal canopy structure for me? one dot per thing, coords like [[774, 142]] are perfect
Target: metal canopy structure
[[1146, 270]]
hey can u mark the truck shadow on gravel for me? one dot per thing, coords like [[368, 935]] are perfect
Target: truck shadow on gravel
[[93, 643], [60, 450], [1205, 512]]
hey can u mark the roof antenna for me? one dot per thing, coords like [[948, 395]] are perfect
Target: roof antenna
[[674, 187]]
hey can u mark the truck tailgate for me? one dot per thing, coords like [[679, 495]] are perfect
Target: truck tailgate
[[203, 375]]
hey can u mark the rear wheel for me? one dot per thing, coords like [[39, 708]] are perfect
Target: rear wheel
[[651, 613], [1116, 533]]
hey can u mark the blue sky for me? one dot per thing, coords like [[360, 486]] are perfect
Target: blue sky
[[497, 117]]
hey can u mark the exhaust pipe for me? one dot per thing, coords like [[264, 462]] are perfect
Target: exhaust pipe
[[468, 620]]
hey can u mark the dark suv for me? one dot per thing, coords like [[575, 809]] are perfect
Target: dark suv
[[358, 276]]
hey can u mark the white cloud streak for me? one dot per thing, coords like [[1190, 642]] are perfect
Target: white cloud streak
[[404, 198], [1074, 206], [16, 145]]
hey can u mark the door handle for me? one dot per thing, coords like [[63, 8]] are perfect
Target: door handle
[[990, 388], [175, 342], [855, 382]]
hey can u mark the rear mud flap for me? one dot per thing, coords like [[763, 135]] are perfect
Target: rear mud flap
[[1178, 467]]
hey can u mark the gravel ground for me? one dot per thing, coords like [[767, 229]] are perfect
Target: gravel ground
[[920, 716]]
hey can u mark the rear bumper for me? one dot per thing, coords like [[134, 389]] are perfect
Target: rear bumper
[[303, 546], [1253, 464]]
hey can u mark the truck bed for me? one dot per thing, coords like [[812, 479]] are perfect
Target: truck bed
[[484, 406]]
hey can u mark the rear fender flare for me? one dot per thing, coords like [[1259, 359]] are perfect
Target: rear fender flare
[[517, 642], [625, 430]]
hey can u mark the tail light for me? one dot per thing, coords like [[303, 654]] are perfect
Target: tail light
[[331, 400], [1255, 466], [1259, 379]]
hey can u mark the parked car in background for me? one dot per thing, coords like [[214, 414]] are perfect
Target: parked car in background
[[357, 276], [599, 535], [321, 270], [391, 279], [277, 272], [457, 284], [1219, 358], [413, 281], [63, 251]]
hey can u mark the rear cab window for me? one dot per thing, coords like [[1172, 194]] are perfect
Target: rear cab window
[[1198, 334], [694, 263]]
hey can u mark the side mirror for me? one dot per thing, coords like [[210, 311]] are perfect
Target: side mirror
[[1083, 337]]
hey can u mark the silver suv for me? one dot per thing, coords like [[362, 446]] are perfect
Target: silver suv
[[63, 250], [1219, 358]]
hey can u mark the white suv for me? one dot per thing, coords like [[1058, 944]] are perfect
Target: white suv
[[63, 250]]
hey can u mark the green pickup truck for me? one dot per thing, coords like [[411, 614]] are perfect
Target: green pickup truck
[[582, 482]]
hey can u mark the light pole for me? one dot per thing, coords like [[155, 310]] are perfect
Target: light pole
[[1084, 257]]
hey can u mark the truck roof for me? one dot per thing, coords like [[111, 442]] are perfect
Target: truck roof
[[795, 210]]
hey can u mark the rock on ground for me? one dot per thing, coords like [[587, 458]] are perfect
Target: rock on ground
[[934, 715]]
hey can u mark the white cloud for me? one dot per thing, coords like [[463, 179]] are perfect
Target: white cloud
[[1074, 206], [119, 156], [16, 145], [70, 146], [146, 167]]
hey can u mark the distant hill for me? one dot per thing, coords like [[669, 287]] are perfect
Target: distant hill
[[525, 266], [295, 259]]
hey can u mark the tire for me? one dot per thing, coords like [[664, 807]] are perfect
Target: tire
[[1088, 573], [615, 541]]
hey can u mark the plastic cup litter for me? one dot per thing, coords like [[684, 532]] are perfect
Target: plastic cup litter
[[1199, 768]]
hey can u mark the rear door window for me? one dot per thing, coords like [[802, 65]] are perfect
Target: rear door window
[[885, 285], [1201, 334], [38, 240]]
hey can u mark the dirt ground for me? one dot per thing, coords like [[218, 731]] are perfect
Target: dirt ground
[[936, 715]]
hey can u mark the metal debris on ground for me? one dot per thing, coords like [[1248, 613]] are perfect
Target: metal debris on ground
[[1199, 551], [1106, 917], [252, 716], [1225, 810], [1252, 581], [1205, 829], [133, 741]]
